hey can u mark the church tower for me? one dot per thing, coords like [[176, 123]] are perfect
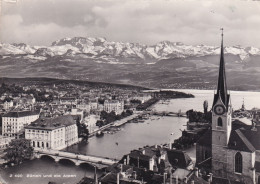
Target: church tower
[[221, 121]]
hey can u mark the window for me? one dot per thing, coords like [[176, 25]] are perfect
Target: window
[[238, 162], [220, 122]]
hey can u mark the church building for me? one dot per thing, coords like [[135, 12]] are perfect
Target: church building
[[230, 152]]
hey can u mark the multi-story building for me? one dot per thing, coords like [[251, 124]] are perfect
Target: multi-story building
[[8, 104], [52, 133], [114, 105], [14, 122]]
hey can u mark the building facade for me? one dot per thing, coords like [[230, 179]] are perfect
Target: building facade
[[8, 104], [235, 150], [114, 105], [13, 122], [53, 133]]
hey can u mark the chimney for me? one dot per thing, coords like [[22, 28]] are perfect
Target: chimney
[[95, 176], [164, 178], [253, 126], [196, 172], [177, 180], [185, 180], [210, 177], [135, 176], [118, 179], [170, 144], [121, 167]]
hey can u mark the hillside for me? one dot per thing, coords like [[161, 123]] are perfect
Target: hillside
[[163, 65]]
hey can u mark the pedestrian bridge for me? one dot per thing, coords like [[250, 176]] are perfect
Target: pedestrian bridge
[[77, 159]]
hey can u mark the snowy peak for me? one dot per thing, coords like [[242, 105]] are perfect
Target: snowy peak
[[100, 48]]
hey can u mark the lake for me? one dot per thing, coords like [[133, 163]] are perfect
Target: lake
[[132, 136]]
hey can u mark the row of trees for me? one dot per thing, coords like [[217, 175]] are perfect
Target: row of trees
[[146, 104], [82, 130], [106, 118]]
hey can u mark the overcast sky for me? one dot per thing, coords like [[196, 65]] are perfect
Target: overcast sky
[[40, 22]]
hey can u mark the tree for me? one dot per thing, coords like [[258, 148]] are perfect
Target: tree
[[18, 150], [205, 106]]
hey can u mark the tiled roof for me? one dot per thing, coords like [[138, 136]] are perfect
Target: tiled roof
[[196, 180], [178, 158], [139, 155], [216, 180], [257, 166], [238, 141], [253, 136], [52, 123], [17, 114]]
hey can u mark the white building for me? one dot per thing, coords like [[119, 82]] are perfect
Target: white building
[[8, 104], [84, 107], [53, 133], [4, 141], [13, 122], [93, 105], [114, 105]]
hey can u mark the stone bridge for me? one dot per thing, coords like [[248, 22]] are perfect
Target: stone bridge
[[77, 159], [168, 113]]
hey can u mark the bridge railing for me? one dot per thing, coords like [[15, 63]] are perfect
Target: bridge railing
[[69, 155]]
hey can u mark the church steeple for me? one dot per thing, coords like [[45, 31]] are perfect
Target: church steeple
[[222, 85]]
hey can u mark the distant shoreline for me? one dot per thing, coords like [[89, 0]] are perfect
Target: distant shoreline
[[54, 80]]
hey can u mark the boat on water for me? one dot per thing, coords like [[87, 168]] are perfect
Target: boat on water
[[99, 133]]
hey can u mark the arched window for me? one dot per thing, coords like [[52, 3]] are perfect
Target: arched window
[[238, 162], [33, 144], [220, 122], [42, 144]]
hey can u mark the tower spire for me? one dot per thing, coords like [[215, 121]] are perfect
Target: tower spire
[[222, 86]]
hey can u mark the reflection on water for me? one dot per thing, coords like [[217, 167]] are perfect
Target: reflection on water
[[133, 136], [44, 170]]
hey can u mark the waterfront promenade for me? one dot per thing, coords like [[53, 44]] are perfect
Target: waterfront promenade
[[116, 123]]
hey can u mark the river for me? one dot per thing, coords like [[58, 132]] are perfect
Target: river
[[156, 130]]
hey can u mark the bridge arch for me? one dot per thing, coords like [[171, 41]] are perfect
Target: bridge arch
[[86, 165], [67, 161], [47, 156]]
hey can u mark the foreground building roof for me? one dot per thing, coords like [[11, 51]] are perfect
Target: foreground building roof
[[52, 123]]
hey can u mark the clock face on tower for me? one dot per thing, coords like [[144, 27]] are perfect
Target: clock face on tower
[[219, 109]]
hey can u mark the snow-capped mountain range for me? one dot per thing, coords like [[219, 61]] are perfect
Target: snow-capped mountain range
[[100, 48]]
